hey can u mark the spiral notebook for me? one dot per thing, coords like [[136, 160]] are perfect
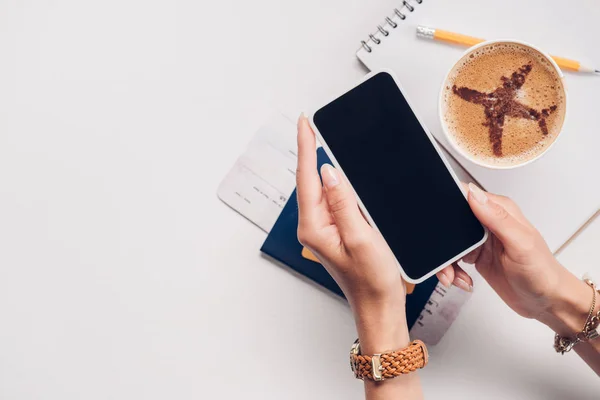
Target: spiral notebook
[[559, 192]]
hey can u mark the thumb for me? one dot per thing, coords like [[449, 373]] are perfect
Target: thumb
[[342, 204], [496, 218]]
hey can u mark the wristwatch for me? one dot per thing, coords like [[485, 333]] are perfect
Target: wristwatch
[[379, 367]]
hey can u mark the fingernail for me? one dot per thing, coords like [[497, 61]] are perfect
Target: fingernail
[[301, 118], [462, 284], [478, 194], [329, 176], [445, 280]]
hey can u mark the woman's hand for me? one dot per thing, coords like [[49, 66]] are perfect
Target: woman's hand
[[519, 266], [357, 257]]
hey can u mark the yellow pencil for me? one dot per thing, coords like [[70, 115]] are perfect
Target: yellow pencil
[[463, 40]]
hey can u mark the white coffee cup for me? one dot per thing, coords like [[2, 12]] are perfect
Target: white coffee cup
[[442, 105]]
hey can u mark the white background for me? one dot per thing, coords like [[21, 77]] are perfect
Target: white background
[[123, 276]]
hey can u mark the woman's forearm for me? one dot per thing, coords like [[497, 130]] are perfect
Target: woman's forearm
[[331, 225], [383, 329], [402, 387], [568, 313]]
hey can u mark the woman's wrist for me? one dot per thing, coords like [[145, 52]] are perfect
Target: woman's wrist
[[569, 306], [382, 326]]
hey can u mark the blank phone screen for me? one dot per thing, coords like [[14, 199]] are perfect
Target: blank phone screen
[[398, 175]]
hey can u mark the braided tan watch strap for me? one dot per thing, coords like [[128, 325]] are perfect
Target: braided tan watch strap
[[390, 364]]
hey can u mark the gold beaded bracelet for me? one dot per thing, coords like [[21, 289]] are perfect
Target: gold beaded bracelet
[[564, 344]]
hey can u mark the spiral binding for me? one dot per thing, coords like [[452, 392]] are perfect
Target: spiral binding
[[400, 12]]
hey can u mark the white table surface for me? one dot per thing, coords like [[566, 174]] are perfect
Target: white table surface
[[122, 276]]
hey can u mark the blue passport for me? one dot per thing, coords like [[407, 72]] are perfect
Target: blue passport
[[282, 245]]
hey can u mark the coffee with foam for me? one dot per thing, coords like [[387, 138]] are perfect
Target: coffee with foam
[[503, 104]]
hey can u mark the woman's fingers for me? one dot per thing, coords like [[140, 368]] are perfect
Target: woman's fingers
[[508, 229], [446, 276], [343, 206], [505, 202], [308, 184], [462, 280], [455, 275], [509, 206]]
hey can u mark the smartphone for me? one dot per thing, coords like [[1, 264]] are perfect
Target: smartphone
[[405, 187]]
